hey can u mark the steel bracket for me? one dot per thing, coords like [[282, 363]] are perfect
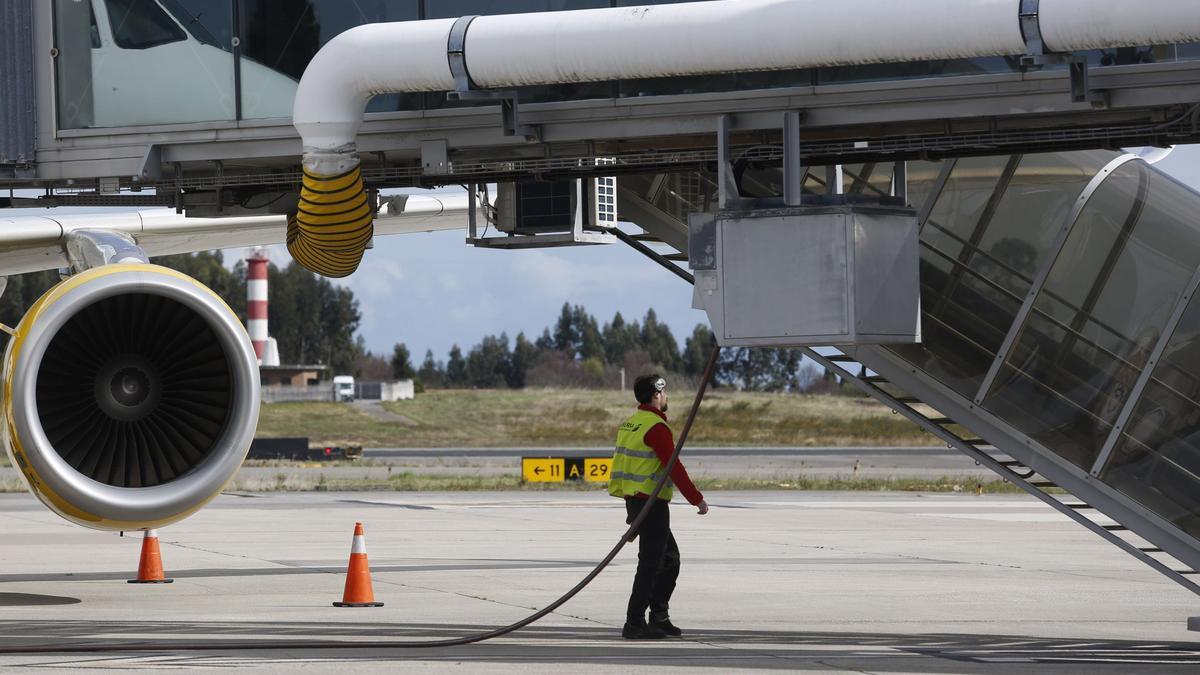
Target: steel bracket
[[1037, 56], [509, 111], [465, 88]]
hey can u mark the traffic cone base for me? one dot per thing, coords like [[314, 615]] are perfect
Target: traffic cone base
[[358, 591], [150, 569]]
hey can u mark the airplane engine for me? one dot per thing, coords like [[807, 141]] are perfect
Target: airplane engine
[[131, 395]]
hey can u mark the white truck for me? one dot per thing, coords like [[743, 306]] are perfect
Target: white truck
[[343, 388]]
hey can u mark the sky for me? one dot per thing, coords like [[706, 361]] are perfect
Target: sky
[[432, 290]]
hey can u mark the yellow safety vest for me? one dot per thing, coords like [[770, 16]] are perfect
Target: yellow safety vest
[[635, 467]]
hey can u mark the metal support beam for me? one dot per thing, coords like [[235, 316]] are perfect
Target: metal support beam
[[793, 168], [1037, 56], [472, 213], [900, 180], [727, 187], [834, 180], [653, 255]]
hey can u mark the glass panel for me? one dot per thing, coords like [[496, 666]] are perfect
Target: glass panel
[[1100, 314], [1157, 461], [985, 238], [873, 179], [135, 62], [279, 38], [921, 177], [950, 349]]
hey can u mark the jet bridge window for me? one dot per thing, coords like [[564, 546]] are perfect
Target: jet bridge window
[[280, 38], [141, 24], [124, 63]]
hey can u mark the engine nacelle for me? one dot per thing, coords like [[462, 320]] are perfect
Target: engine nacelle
[[131, 396]]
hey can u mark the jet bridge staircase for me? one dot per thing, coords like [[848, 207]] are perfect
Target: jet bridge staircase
[[885, 375], [1073, 505]]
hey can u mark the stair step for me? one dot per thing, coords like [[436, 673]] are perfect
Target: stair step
[[1186, 572], [841, 358], [940, 420], [1150, 549], [1011, 462], [874, 378], [1078, 506], [647, 237], [974, 441], [1043, 484], [1115, 527], [907, 399], [676, 257]]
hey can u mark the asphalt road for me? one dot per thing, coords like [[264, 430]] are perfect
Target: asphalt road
[[771, 581], [850, 452]]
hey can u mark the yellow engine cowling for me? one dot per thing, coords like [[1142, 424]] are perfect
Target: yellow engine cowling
[[131, 396]]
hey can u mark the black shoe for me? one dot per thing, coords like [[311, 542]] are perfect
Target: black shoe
[[642, 631], [667, 627]]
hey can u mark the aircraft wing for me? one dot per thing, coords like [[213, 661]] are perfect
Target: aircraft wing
[[33, 243]]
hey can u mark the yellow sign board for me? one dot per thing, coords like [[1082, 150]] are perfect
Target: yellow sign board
[[597, 470], [538, 470], [559, 469]]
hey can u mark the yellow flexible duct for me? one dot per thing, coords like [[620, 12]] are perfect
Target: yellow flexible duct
[[333, 224]]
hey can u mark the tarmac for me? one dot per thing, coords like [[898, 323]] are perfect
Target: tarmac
[[788, 581]]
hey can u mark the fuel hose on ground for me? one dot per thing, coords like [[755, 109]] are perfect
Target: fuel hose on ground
[[414, 644]]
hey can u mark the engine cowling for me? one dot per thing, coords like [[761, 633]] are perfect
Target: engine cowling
[[131, 396]]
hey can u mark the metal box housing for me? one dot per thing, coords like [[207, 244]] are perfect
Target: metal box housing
[[808, 275]]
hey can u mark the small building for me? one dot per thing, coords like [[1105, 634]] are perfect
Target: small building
[[291, 375], [402, 390]]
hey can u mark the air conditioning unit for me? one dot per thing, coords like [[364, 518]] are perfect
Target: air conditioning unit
[[808, 275], [556, 206]]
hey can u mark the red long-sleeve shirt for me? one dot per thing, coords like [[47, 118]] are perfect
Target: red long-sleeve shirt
[[660, 439]]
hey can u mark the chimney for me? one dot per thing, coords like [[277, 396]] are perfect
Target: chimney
[[256, 301]]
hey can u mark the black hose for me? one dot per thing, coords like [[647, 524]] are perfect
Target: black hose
[[709, 369]]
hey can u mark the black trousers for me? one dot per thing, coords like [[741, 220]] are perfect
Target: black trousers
[[658, 562]]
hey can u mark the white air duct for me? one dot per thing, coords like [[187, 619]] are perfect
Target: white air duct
[[694, 38]]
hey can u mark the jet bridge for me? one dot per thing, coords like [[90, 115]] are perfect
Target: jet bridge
[[1055, 275], [1058, 332]]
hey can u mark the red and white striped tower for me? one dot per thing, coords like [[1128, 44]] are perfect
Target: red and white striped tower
[[256, 301]]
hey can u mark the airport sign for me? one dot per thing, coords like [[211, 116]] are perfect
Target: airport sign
[[560, 469]]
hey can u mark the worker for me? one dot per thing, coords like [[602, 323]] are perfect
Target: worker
[[644, 447]]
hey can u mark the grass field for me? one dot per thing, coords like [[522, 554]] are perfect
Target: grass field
[[558, 417]]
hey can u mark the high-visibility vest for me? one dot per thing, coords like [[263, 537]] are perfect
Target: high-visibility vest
[[635, 467]]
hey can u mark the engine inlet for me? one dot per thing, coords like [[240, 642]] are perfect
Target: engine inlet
[[134, 390]]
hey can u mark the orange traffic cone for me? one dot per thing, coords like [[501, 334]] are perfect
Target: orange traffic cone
[[150, 569], [358, 575]]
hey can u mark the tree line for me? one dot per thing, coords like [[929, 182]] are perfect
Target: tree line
[[579, 351]]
